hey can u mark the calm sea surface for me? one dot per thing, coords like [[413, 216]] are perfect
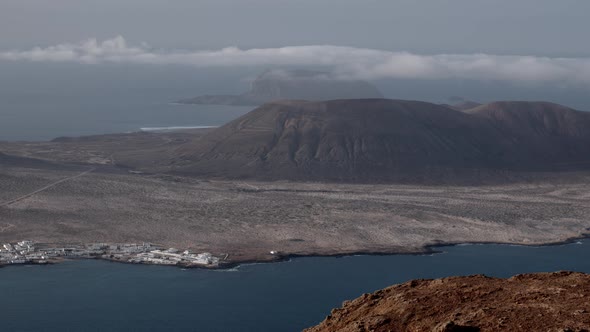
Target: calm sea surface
[[102, 296], [26, 120], [41, 102]]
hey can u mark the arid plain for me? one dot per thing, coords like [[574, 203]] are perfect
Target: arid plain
[[247, 220]]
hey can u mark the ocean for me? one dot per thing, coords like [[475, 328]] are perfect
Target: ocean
[[91, 295], [45, 101], [41, 101]]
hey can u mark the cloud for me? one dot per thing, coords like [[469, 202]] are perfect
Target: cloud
[[346, 62]]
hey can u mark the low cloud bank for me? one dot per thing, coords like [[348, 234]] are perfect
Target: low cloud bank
[[346, 62]]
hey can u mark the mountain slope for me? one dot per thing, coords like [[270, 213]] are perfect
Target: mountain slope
[[552, 135], [536, 118], [390, 140], [345, 140]]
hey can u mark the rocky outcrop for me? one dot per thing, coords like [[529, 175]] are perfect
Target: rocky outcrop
[[529, 302], [293, 84]]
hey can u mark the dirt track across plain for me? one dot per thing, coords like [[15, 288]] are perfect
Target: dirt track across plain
[[249, 219], [23, 197]]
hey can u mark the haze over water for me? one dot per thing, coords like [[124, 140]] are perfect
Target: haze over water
[[42, 102], [101, 296]]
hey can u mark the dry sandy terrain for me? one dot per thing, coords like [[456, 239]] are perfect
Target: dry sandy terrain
[[248, 219]]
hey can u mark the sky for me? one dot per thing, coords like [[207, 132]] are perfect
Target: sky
[[502, 27], [524, 42]]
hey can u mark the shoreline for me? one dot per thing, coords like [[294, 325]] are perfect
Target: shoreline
[[427, 250]]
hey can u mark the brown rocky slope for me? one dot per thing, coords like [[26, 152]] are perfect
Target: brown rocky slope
[[530, 302], [370, 140]]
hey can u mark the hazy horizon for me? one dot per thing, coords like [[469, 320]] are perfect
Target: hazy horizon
[[132, 55], [503, 27]]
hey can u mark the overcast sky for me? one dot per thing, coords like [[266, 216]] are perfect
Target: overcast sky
[[521, 41], [513, 27]]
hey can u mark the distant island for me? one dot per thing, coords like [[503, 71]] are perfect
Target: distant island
[[294, 178], [292, 84]]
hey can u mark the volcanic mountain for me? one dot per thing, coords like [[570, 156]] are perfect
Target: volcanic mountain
[[554, 136], [390, 140], [293, 84]]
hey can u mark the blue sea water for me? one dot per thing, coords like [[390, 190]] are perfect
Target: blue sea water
[[24, 120], [288, 296]]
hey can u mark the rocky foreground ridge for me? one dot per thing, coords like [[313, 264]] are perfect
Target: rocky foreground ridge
[[557, 301]]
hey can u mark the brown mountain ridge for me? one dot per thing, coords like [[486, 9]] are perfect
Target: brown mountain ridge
[[391, 140]]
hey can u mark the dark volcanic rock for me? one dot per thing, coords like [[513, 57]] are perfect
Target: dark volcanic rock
[[555, 137], [531, 302], [293, 84], [536, 118], [390, 140], [12, 161]]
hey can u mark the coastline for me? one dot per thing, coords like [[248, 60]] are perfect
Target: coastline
[[428, 250], [227, 265]]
